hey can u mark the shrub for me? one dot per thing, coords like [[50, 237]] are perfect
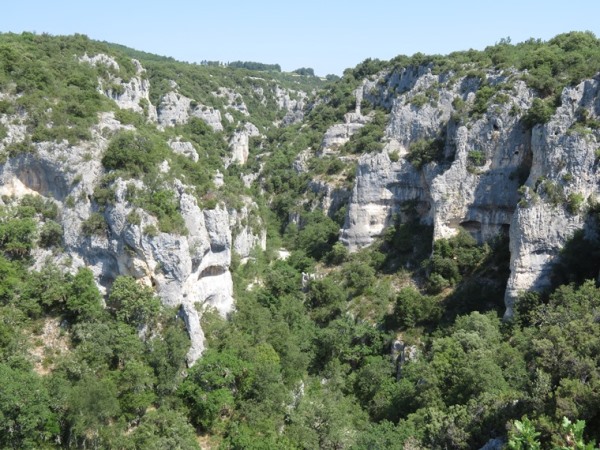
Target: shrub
[[454, 258], [574, 202], [16, 237], [151, 230], [419, 100], [134, 218], [425, 151], [539, 113], [164, 206], [476, 158], [51, 234], [94, 225], [47, 208], [134, 304], [368, 138], [413, 308], [134, 153], [317, 235], [482, 99], [338, 254], [554, 192]]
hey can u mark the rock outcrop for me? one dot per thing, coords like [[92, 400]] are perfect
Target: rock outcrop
[[239, 145], [233, 100], [133, 94], [176, 109], [475, 182], [563, 172], [454, 191], [189, 271], [293, 102], [380, 190], [338, 134], [184, 148]]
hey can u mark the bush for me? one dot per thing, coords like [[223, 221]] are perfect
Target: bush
[[476, 158], [51, 234], [94, 225], [338, 254], [425, 151], [16, 237], [359, 276], [164, 206], [539, 113], [133, 304], [46, 207], [454, 258], [134, 153], [574, 202], [413, 308], [317, 235], [368, 138]]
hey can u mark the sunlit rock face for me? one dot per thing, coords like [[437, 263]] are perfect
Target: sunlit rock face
[[488, 176]]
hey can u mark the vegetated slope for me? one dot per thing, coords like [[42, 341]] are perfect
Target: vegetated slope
[[139, 193]]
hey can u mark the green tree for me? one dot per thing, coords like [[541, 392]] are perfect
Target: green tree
[[162, 429], [317, 235], [92, 405], [16, 237], [84, 301], [26, 420], [133, 303], [135, 383], [213, 384], [133, 152]]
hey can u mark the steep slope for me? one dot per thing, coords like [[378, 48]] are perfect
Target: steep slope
[[247, 258], [157, 214], [464, 149]]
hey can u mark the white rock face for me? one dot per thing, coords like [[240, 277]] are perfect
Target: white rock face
[[233, 100], [190, 272], [246, 239], [133, 94], [567, 160], [293, 106], [184, 148], [176, 109], [338, 134], [210, 115], [380, 189], [239, 144], [15, 126], [332, 197], [482, 197]]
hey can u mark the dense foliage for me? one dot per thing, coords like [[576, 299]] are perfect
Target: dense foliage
[[400, 345]]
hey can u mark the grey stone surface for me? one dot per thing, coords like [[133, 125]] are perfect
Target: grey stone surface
[[133, 94], [187, 271], [455, 193]]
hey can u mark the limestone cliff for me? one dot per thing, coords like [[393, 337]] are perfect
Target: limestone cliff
[[187, 270], [474, 183], [563, 173], [190, 271]]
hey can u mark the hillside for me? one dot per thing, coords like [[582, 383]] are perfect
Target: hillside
[[201, 255]]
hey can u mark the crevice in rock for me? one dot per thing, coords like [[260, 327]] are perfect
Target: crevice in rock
[[473, 227], [217, 248], [212, 271], [41, 180]]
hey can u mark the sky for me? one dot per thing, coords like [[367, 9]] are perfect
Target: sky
[[327, 35]]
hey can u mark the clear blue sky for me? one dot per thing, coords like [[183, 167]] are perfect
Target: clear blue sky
[[328, 35]]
